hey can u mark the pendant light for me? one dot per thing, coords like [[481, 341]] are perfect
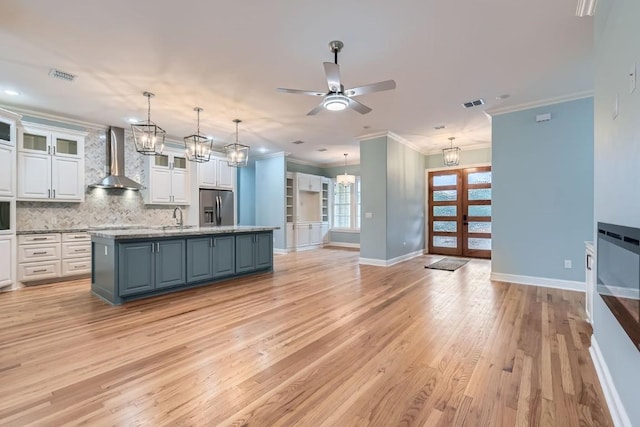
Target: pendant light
[[346, 179], [198, 147], [148, 137], [451, 155], [237, 154]]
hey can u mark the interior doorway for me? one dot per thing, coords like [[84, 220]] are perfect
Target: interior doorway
[[460, 212]]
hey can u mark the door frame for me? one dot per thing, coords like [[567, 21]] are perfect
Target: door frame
[[427, 207]]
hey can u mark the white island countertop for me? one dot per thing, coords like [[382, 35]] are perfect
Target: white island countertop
[[176, 231]]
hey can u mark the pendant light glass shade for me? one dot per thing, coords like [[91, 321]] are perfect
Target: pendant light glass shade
[[237, 154], [198, 147], [451, 155], [148, 137], [346, 179]]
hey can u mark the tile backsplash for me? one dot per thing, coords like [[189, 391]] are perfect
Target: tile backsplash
[[101, 207]]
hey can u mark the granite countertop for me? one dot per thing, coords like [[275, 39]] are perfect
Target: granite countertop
[[80, 229], [173, 231]]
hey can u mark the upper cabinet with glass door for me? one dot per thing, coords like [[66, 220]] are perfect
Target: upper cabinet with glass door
[[8, 123], [50, 164], [167, 179]]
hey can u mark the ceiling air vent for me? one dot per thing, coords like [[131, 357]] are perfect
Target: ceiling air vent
[[298, 142], [322, 149], [473, 103], [439, 127], [61, 75]]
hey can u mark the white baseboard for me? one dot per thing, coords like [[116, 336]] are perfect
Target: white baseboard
[[343, 245], [390, 262], [568, 285], [281, 251], [618, 413]]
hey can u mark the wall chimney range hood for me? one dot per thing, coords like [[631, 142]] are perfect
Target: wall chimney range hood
[[115, 160]]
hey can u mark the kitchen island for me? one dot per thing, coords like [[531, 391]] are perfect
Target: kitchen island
[[129, 264]]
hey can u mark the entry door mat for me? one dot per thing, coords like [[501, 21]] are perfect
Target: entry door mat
[[448, 264]]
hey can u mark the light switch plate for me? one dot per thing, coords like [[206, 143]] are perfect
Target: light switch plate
[[632, 79]]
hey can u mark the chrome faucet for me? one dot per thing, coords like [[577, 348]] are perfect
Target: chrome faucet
[[177, 209]]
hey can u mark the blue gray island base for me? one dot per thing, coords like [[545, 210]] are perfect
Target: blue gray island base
[[130, 266]]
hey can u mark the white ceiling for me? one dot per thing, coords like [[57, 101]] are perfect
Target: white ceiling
[[229, 57]]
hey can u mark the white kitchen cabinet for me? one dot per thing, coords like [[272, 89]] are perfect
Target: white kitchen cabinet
[[216, 173], [303, 235], [291, 237], [316, 234], [52, 255], [7, 261], [325, 232], [50, 164], [7, 170], [167, 180]]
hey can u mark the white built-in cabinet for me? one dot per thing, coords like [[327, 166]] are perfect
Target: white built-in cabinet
[[8, 168], [167, 179], [216, 173], [50, 164], [307, 211], [590, 280]]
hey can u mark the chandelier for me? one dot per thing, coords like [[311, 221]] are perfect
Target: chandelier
[[198, 147], [237, 154], [451, 155], [148, 137], [346, 179]]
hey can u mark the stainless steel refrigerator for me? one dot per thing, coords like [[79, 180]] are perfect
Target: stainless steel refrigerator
[[216, 207]]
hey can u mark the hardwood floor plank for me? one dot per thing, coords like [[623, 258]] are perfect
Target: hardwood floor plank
[[320, 341]]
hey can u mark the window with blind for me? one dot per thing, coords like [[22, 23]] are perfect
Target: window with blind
[[346, 206]]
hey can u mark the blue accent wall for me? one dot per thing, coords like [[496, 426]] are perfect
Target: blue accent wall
[[543, 190], [617, 174], [312, 170], [270, 183], [393, 191], [373, 192], [246, 189], [352, 238]]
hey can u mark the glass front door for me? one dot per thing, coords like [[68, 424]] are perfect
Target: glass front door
[[460, 212]]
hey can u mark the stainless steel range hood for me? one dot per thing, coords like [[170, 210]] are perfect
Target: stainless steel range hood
[[115, 160]]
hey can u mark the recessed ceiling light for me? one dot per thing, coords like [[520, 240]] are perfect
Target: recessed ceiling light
[[262, 150], [133, 120], [11, 92]]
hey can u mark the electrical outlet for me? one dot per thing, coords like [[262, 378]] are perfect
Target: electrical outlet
[[567, 263], [105, 250], [54, 220], [368, 215]]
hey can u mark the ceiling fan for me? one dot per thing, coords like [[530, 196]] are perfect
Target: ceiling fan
[[337, 98]]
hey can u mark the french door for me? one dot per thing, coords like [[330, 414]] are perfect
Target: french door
[[460, 212]]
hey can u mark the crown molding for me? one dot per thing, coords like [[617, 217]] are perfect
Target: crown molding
[[540, 103], [338, 164], [272, 155], [305, 162], [54, 117], [10, 114], [393, 135], [479, 146]]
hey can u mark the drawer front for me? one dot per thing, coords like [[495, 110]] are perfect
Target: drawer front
[[38, 270], [76, 237], [42, 252], [76, 250], [38, 238], [72, 267]]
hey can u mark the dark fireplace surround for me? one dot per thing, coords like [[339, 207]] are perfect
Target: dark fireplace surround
[[618, 255]]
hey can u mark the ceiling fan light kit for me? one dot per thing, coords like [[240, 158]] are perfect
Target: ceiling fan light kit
[[148, 137], [337, 98]]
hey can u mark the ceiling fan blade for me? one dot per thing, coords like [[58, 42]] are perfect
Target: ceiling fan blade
[[301, 92], [373, 87], [333, 76], [315, 110], [360, 108]]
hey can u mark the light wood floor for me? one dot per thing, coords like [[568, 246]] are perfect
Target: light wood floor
[[320, 342]]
